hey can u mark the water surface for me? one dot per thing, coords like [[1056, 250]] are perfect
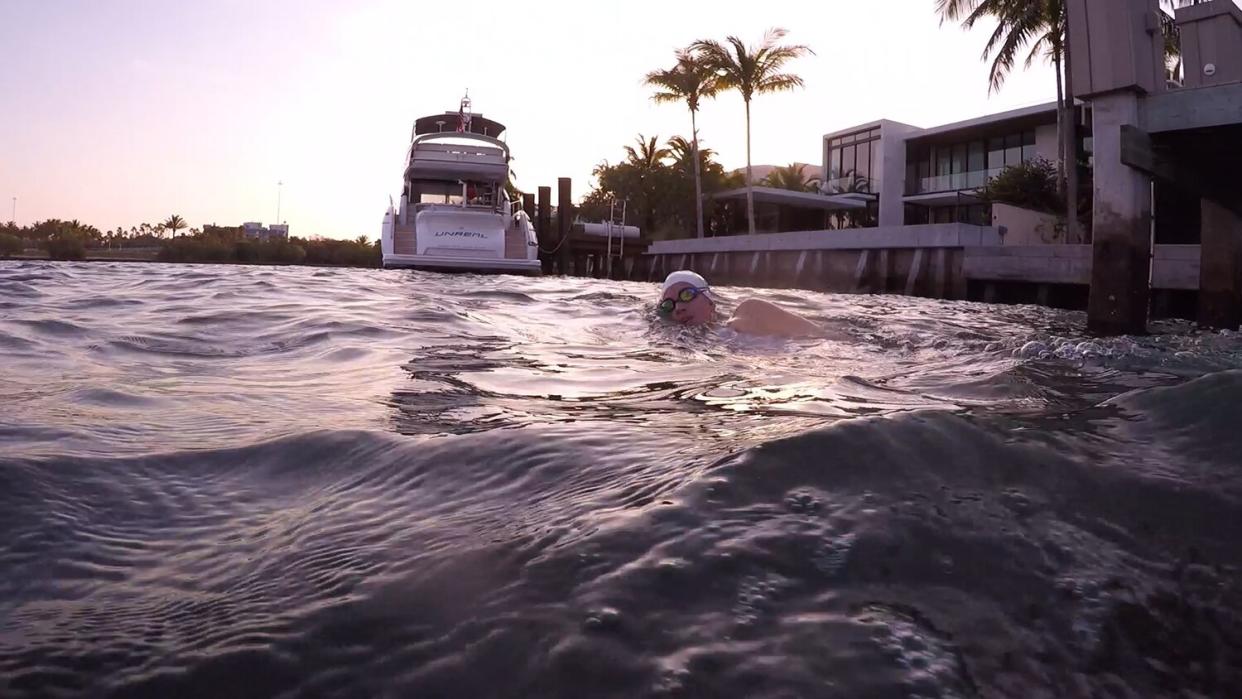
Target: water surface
[[249, 481]]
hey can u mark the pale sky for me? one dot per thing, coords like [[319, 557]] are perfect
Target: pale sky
[[116, 112]]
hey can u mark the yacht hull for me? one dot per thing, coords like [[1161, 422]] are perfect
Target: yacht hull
[[444, 263]]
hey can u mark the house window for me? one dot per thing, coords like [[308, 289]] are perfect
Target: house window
[[996, 153], [852, 161], [1028, 146]]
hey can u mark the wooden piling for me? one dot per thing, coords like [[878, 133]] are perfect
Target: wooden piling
[[564, 217], [547, 241], [528, 204]]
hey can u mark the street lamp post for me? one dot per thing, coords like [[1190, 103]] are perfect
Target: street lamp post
[[13, 217]]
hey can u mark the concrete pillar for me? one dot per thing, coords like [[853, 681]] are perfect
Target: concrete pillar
[[1211, 36], [1220, 267], [955, 271], [885, 271], [916, 269], [1121, 229], [862, 272], [940, 274]]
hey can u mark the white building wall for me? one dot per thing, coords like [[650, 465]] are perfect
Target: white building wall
[[891, 176], [1046, 142]]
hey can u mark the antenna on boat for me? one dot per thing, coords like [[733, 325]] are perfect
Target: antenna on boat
[[464, 115]]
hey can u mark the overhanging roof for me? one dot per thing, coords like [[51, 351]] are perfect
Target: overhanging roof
[[448, 121], [1025, 117], [803, 200]]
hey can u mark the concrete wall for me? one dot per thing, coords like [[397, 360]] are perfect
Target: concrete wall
[[937, 235], [1211, 34], [1113, 48], [1174, 266], [1027, 227], [914, 272], [1046, 142]]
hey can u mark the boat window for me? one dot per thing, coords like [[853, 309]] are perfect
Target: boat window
[[447, 192]]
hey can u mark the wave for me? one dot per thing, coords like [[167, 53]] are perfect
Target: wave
[[865, 550], [265, 482]]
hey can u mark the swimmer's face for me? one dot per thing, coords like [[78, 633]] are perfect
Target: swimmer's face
[[696, 311]]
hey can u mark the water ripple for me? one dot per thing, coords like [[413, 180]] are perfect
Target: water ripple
[[262, 481]]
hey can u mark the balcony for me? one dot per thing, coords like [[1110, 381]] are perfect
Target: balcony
[[847, 184], [951, 183]]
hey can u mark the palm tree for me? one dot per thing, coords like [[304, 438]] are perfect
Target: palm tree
[[645, 162], [647, 157], [682, 152], [174, 224], [689, 81], [751, 71], [792, 177], [1042, 24]]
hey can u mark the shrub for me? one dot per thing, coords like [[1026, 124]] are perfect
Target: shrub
[[188, 249], [352, 253], [1030, 185], [63, 245], [10, 245]]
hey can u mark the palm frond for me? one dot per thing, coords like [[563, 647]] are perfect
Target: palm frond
[[953, 10], [781, 82]]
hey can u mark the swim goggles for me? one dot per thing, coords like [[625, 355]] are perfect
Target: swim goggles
[[686, 295]]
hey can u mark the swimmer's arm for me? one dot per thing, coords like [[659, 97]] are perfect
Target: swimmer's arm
[[758, 317]]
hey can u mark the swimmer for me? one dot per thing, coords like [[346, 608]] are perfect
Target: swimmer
[[686, 298]]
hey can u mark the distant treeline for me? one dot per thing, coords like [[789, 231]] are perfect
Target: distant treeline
[[211, 247], [73, 240]]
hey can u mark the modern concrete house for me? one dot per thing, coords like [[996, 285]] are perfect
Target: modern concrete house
[[1161, 159], [885, 173], [920, 176]]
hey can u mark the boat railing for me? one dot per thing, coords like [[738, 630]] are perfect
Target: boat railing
[[457, 144], [443, 152]]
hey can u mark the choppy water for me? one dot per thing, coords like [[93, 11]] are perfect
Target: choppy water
[[253, 482]]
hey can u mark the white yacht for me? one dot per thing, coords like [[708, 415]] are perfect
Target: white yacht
[[455, 213]]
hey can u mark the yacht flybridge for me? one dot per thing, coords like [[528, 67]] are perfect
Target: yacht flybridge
[[455, 213]]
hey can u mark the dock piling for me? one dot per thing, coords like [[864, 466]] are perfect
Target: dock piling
[[1220, 267], [564, 217], [544, 229]]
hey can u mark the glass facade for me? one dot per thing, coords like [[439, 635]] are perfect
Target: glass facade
[[853, 160], [947, 167]]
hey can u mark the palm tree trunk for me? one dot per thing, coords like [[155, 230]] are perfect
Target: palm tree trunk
[[1072, 233], [698, 182], [1056, 62], [750, 194]]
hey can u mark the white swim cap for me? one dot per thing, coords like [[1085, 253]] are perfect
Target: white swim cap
[[685, 276]]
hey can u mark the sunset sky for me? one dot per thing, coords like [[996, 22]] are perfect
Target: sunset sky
[[126, 111]]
